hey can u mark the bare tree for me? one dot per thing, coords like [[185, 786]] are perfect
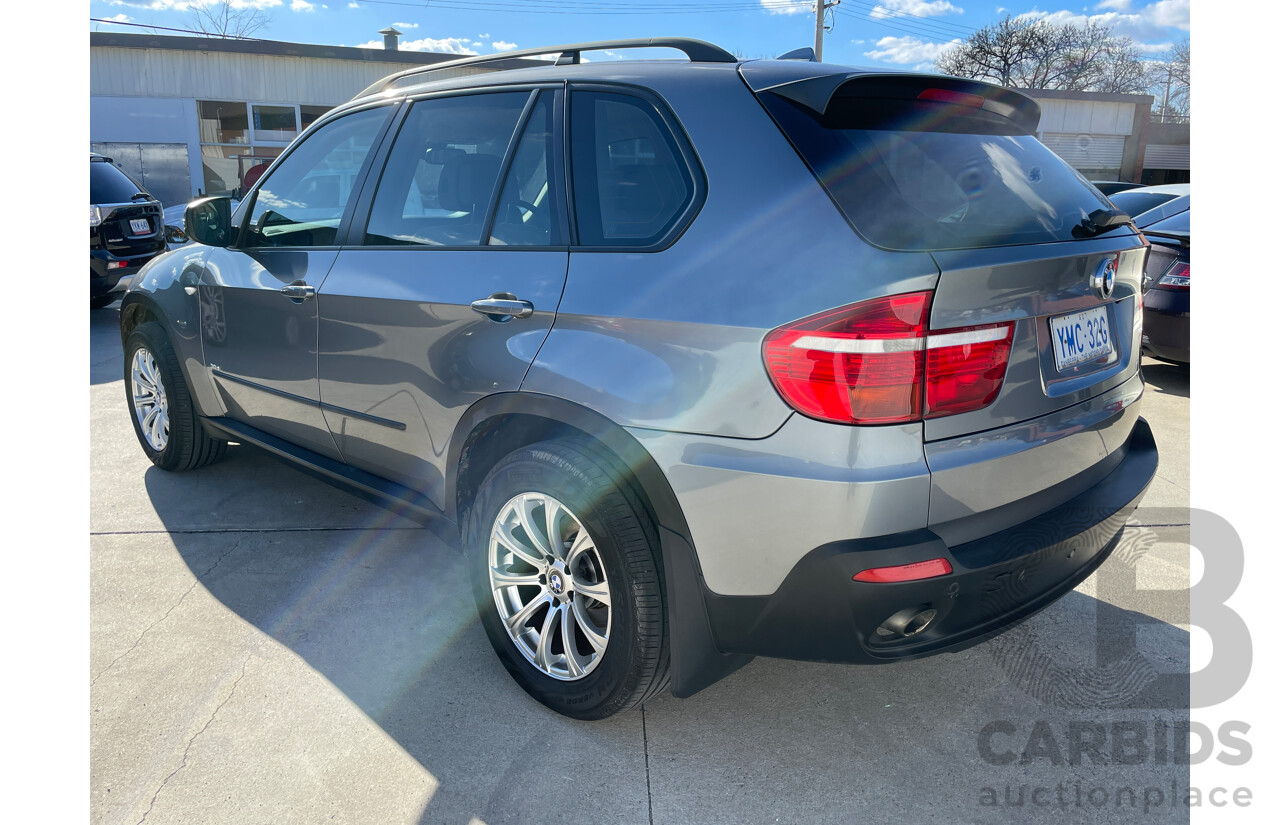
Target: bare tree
[[1035, 54], [221, 19]]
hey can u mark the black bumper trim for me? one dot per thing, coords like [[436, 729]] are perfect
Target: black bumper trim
[[819, 613]]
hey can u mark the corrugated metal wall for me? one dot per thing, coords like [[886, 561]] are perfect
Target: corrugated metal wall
[[1167, 156], [231, 76], [1087, 151]]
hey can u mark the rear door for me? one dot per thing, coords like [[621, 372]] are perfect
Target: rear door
[[450, 282]]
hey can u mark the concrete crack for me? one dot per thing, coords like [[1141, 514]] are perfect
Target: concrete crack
[[151, 626], [193, 739]]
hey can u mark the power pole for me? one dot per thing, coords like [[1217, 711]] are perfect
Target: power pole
[[820, 9]]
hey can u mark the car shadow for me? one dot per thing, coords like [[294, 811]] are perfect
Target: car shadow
[[386, 616], [1170, 379], [106, 362]]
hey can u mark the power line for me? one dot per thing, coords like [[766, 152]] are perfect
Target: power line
[[171, 29]]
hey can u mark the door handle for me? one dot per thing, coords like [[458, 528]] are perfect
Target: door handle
[[503, 306], [298, 291]]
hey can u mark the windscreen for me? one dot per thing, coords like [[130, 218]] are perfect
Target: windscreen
[[107, 184], [925, 175], [1134, 202]]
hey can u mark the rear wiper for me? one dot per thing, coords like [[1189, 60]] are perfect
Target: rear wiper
[[1099, 221], [137, 195]]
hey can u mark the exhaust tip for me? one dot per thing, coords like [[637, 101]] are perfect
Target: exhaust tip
[[906, 623]]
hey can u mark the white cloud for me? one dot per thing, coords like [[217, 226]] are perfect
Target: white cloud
[[908, 50], [120, 18], [1153, 48], [405, 25], [1118, 5], [787, 6], [1148, 23], [353, 5], [301, 5], [916, 8], [502, 46], [481, 36], [446, 45]]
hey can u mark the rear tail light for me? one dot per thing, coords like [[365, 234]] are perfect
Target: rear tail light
[[1178, 277], [952, 96], [877, 362]]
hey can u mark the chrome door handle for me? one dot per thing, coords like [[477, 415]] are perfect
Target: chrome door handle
[[298, 291], [503, 306]]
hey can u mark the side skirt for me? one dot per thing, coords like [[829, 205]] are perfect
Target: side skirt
[[401, 500]]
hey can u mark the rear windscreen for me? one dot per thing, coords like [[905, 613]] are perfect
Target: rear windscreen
[[920, 175], [107, 184]]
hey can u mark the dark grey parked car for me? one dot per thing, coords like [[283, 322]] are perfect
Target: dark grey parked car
[[698, 360]]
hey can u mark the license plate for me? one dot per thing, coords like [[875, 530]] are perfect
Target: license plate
[[1080, 336], [139, 226]]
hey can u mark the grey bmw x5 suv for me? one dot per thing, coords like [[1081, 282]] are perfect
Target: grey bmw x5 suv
[[697, 360]]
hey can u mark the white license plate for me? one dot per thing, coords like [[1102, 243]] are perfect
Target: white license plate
[[1080, 336], [139, 226]]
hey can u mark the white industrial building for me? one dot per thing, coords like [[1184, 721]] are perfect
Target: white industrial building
[[195, 115], [192, 115]]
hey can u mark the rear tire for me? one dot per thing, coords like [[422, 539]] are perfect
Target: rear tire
[[160, 405], [592, 537]]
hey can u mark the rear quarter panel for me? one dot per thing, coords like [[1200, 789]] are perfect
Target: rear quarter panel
[[671, 339]]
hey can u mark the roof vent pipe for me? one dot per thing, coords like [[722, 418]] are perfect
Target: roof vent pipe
[[390, 39]]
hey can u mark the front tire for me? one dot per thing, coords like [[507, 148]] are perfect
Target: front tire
[[160, 405], [565, 574]]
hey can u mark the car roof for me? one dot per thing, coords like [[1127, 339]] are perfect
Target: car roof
[[1167, 188]]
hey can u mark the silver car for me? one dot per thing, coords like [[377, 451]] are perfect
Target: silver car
[[696, 360]]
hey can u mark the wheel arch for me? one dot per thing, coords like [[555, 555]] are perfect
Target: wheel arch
[[503, 422]]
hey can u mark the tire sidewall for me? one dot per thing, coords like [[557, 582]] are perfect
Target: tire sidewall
[[608, 688]]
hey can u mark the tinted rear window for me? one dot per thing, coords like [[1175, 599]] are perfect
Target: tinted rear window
[[919, 175], [107, 184], [1135, 203]]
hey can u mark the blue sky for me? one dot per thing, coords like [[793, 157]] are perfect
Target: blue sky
[[904, 33]]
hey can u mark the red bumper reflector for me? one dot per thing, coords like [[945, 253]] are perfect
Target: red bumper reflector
[[117, 264], [906, 572]]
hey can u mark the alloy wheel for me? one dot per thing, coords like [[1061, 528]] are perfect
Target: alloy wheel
[[550, 587], [150, 404]]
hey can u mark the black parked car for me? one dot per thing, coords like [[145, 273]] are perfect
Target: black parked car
[[1166, 286], [126, 229]]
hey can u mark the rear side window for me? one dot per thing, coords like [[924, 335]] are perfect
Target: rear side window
[[108, 184], [925, 175], [631, 185]]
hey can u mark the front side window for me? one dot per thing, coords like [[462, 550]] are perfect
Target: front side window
[[630, 183], [302, 201], [442, 171]]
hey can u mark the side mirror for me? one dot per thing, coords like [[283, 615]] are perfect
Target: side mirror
[[208, 221]]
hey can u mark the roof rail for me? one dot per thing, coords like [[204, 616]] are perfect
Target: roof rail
[[698, 51]]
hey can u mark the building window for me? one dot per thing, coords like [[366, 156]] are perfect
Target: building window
[[239, 139]]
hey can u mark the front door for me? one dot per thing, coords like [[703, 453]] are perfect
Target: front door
[[451, 287], [260, 330]]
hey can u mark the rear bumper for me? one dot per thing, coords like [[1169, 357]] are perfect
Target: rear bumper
[[820, 613], [1166, 324], [103, 280]]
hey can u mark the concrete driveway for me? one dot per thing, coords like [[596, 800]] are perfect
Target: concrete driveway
[[267, 649]]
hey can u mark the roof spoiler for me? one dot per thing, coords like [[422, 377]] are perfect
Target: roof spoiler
[[817, 93]]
